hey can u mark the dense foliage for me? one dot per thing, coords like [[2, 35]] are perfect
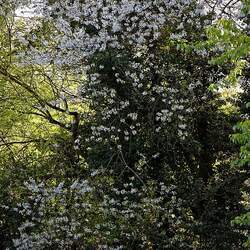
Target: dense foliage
[[124, 124]]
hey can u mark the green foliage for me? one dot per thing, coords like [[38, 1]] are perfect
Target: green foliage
[[235, 44], [243, 220], [243, 138]]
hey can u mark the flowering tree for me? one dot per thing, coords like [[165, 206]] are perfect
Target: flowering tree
[[152, 168]]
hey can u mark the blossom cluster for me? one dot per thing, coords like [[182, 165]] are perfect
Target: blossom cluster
[[117, 45], [67, 216]]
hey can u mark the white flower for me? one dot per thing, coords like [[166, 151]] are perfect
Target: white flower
[[133, 116]]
